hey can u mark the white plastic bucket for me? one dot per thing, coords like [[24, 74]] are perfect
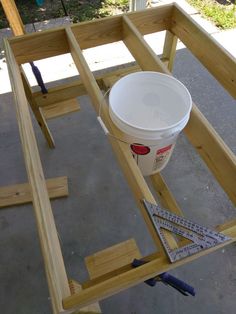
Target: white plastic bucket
[[151, 109]]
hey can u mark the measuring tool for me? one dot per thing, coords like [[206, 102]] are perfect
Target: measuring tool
[[202, 238]]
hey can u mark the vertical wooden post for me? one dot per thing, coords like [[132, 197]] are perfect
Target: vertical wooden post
[[169, 49], [13, 17], [37, 111]]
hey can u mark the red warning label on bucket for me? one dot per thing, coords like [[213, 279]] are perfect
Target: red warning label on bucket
[[140, 149], [164, 149], [162, 156]]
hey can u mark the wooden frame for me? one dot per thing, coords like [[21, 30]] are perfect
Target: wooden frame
[[220, 160]]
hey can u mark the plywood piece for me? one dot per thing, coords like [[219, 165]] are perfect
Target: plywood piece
[[112, 258], [61, 108], [21, 193]]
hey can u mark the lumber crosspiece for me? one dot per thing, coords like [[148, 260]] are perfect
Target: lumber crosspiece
[[21, 193], [138, 47], [90, 34], [60, 108], [76, 88]]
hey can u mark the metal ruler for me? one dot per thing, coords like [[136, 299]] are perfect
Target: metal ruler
[[202, 238]]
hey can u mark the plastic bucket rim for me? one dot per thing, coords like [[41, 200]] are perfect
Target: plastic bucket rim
[[159, 129]]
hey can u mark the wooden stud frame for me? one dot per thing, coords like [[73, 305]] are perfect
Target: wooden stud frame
[[220, 160]]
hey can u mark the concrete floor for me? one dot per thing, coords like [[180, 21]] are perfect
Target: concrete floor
[[100, 210]]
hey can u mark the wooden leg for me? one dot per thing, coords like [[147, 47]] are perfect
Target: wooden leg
[[13, 17], [37, 111], [169, 49]]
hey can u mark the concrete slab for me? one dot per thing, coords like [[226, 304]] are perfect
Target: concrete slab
[[205, 24], [228, 40], [182, 3], [100, 210]]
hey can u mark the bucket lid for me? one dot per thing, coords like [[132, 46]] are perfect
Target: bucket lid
[[150, 101]]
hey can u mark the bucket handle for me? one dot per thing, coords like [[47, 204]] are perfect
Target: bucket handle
[[102, 124]]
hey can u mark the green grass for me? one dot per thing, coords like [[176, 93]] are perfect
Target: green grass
[[78, 10], [224, 16]]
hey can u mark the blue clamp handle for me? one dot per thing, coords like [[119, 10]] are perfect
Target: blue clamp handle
[[38, 77], [178, 284], [168, 279]]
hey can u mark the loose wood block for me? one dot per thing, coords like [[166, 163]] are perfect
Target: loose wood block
[[21, 193], [61, 108], [112, 258]]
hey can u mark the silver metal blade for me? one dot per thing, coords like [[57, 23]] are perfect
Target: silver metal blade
[[202, 237]]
